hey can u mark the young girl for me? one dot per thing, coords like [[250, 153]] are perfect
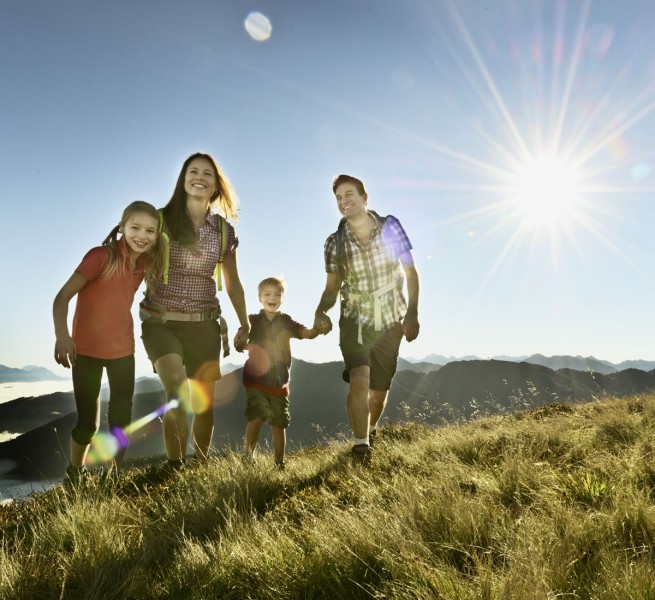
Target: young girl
[[183, 340], [103, 331]]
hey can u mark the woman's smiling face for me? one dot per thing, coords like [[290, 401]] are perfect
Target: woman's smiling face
[[200, 179]]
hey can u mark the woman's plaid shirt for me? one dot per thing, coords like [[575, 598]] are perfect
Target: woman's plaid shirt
[[371, 267], [191, 286]]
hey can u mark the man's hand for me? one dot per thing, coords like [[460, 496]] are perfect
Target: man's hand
[[322, 323], [410, 327]]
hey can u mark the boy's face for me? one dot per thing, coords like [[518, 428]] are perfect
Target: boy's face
[[271, 298]]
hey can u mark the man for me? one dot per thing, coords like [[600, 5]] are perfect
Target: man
[[364, 260]]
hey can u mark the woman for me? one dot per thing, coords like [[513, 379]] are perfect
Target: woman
[[181, 330]]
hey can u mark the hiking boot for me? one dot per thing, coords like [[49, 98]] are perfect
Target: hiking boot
[[75, 476], [172, 466], [361, 455]]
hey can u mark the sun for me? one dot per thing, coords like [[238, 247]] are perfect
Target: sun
[[545, 191]]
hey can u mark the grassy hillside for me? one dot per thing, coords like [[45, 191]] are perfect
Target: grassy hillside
[[556, 502]]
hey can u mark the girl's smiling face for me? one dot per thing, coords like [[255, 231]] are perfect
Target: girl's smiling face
[[271, 297], [140, 232]]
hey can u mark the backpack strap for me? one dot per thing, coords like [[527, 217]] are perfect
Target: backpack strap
[[221, 255], [167, 244]]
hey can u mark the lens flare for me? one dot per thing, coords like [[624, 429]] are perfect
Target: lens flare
[[106, 445], [103, 448], [200, 399], [258, 26], [259, 360]]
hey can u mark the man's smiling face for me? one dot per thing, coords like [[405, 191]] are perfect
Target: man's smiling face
[[350, 202]]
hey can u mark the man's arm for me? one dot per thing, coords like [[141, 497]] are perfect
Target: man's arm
[[410, 322], [328, 299]]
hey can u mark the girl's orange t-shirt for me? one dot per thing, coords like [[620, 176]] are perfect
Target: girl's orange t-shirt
[[103, 326]]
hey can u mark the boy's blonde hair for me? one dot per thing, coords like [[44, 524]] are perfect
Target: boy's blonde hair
[[272, 281]]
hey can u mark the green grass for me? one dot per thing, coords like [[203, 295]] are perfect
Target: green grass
[[557, 502]]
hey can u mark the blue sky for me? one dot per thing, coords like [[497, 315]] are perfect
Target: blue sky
[[514, 140]]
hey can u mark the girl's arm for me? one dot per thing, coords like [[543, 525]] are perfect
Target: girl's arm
[[65, 349], [237, 297]]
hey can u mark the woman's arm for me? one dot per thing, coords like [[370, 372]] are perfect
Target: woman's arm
[[237, 296]]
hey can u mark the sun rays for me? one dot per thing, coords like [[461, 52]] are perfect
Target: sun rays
[[553, 159]]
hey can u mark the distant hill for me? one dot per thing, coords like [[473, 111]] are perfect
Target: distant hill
[[421, 367], [579, 363], [29, 373], [457, 390]]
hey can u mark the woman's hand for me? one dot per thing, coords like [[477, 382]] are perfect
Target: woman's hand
[[241, 339]]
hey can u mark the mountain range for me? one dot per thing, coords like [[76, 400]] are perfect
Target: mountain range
[[579, 363], [425, 365], [420, 392], [29, 373]]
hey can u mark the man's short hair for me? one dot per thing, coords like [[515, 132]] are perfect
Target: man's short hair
[[272, 281], [358, 183]]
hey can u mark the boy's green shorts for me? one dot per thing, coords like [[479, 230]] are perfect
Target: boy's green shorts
[[274, 409]]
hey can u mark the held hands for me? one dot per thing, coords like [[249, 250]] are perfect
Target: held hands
[[322, 323], [65, 352], [241, 339]]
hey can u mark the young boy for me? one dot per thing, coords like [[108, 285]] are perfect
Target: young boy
[[266, 372]]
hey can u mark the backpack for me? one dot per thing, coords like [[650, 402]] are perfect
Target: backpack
[[221, 255], [341, 252]]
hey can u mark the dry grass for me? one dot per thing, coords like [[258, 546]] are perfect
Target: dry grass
[[551, 503]]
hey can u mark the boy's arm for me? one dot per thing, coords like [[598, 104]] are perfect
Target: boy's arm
[[65, 349], [309, 334]]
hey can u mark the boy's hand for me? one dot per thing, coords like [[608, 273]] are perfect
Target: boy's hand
[[322, 323]]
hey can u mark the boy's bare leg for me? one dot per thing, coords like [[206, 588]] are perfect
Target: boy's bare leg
[[279, 442], [358, 409], [252, 434], [202, 402]]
